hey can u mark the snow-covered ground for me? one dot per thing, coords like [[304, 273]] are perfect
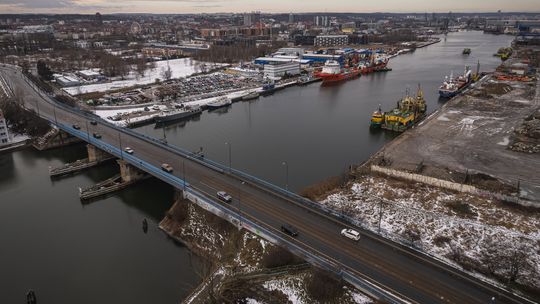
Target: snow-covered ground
[[294, 287], [458, 228], [179, 67]]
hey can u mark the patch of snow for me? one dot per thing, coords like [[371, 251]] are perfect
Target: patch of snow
[[182, 67], [443, 118], [504, 142], [291, 287]]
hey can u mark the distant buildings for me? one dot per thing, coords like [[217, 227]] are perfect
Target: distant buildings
[[4, 134], [322, 21], [252, 18], [331, 40]]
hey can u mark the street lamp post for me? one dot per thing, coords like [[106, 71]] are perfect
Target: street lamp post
[[184, 174], [120, 143], [87, 131], [54, 111], [286, 174], [230, 157], [240, 203]]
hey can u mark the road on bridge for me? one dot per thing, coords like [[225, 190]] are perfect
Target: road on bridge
[[411, 276]]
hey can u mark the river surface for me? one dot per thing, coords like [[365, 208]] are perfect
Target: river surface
[[69, 252]]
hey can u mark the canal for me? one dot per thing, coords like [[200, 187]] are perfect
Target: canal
[[69, 252]]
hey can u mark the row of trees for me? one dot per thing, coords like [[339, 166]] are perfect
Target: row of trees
[[20, 120]]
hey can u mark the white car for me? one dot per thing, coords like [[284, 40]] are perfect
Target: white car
[[224, 196], [351, 234], [128, 150]]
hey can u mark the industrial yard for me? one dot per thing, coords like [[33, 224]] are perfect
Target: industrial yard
[[475, 139]]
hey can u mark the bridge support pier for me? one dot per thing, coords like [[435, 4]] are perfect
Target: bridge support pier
[[95, 154], [128, 173]]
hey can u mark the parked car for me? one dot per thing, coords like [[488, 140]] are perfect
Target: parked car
[[351, 234], [93, 122], [167, 168], [96, 135], [224, 196], [76, 127], [128, 150], [290, 230]]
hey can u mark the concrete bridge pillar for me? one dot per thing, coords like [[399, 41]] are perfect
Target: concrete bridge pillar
[[128, 172], [95, 154]]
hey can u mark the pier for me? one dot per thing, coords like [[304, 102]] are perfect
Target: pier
[[127, 176], [95, 157]]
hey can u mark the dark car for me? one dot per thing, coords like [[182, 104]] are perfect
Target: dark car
[[96, 135], [76, 127], [290, 230], [93, 122]]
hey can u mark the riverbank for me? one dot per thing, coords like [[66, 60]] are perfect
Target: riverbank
[[241, 266], [455, 187]]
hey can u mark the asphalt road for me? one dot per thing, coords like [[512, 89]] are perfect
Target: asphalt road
[[415, 278]]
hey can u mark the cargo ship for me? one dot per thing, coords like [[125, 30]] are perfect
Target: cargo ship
[[333, 72], [409, 111], [454, 85], [177, 114]]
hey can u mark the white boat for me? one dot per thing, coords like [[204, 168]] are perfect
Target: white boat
[[219, 103]]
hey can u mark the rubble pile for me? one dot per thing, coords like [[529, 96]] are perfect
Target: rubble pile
[[528, 135]]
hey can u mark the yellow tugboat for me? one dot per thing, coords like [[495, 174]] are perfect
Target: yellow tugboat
[[409, 111], [377, 118]]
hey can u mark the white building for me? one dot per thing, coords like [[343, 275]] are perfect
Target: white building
[[331, 40], [4, 134], [277, 70]]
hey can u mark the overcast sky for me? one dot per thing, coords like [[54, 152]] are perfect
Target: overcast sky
[[275, 6]]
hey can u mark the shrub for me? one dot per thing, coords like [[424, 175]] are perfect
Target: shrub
[[324, 287], [279, 256]]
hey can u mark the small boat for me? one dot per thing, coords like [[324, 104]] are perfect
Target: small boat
[[466, 51], [305, 80], [377, 118], [252, 95], [221, 102]]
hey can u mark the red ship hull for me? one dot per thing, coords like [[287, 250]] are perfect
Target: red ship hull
[[332, 78]]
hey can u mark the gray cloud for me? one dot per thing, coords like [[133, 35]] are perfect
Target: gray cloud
[[39, 3]]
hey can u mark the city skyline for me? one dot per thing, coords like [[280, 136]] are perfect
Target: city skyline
[[277, 6]]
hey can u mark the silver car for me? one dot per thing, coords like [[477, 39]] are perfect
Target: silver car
[[224, 196]]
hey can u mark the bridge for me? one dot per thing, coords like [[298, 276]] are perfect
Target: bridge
[[386, 270]]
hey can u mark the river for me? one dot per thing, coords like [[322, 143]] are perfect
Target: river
[[69, 252], [319, 131]]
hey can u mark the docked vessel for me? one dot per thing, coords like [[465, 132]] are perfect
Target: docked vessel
[[251, 96], [377, 118], [409, 111], [376, 64], [219, 103], [177, 114], [454, 85], [333, 72]]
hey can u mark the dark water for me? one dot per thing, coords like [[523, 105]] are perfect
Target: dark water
[[70, 252], [320, 131]]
